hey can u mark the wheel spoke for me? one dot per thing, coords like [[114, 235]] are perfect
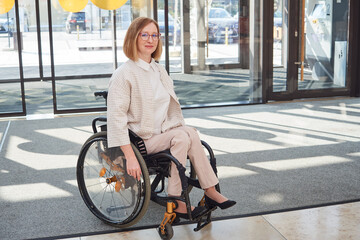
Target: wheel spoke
[[100, 191], [91, 167], [112, 196], [93, 185]]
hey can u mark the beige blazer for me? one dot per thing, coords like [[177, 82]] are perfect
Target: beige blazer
[[130, 104]]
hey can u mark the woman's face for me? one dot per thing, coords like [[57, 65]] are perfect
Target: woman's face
[[148, 46]]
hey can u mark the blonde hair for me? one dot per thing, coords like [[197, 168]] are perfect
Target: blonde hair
[[130, 41]]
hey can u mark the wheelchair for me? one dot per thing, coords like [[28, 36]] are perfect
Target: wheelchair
[[119, 199]]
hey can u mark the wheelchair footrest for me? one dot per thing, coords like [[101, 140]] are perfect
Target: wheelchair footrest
[[204, 223]]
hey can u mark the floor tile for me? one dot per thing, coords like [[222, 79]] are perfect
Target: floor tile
[[252, 228], [330, 223]]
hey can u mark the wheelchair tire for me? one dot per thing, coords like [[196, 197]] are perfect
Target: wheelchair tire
[[107, 190], [169, 232]]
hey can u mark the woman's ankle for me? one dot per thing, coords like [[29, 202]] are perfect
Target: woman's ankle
[[215, 195], [182, 207]]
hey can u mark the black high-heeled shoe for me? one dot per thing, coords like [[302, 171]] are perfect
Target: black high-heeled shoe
[[224, 205], [194, 213]]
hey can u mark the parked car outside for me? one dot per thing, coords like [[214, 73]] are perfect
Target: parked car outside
[[219, 19], [75, 19], [172, 23], [6, 26]]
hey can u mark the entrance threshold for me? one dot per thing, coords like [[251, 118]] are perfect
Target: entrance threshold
[[40, 116]]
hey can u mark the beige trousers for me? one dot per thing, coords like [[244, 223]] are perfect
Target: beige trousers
[[183, 142]]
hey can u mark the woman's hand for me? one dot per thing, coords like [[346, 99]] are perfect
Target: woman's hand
[[132, 164], [133, 167]]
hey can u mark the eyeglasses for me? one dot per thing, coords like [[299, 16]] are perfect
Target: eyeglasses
[[146, 36]]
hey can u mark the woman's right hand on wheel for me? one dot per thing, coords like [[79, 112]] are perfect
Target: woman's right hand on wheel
[[132, 164], [133, 167]]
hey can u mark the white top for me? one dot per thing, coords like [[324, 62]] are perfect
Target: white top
[[130, 104], [161, 96]]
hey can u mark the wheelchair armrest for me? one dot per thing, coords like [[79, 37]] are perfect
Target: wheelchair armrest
[[98, 119]]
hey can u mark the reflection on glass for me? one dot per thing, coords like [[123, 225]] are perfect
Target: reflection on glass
[[29, 39], [82, 41], [10, 97], [83, 45], [218, 39], [174, 34], [9, 60], [79, 93], [279, 46], [218, 28], [326, 45], [10, 93], [124, 18]]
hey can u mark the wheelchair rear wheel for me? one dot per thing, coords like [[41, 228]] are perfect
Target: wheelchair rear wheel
[[107, 190]]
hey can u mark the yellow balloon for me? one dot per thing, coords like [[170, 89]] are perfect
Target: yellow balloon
[[109, 4], [6, 5], [73, 5]]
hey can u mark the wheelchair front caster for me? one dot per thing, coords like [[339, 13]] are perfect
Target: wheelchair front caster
[[167, 233]]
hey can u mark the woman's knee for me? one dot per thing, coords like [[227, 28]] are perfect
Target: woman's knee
[[192, 132], [181, 137]]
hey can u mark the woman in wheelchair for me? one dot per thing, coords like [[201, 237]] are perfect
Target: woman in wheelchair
[[141, 98]]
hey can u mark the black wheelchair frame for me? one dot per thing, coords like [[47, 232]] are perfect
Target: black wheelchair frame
[[104, 168]]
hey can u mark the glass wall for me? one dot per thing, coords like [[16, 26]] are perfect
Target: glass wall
[[124, 18], [9, 61], [85, 47], [213, 51], [10, 86], [82, 41], [88, 44], [10, 97], [215, 23], [171, 48], [220, 54]]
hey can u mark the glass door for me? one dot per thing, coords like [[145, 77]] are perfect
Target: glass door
[[35, 53], [284, 51], [324, 44], [309, 48], [83, 55], [25, 60]]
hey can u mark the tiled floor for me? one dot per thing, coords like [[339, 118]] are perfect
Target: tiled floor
[[337, 222]]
